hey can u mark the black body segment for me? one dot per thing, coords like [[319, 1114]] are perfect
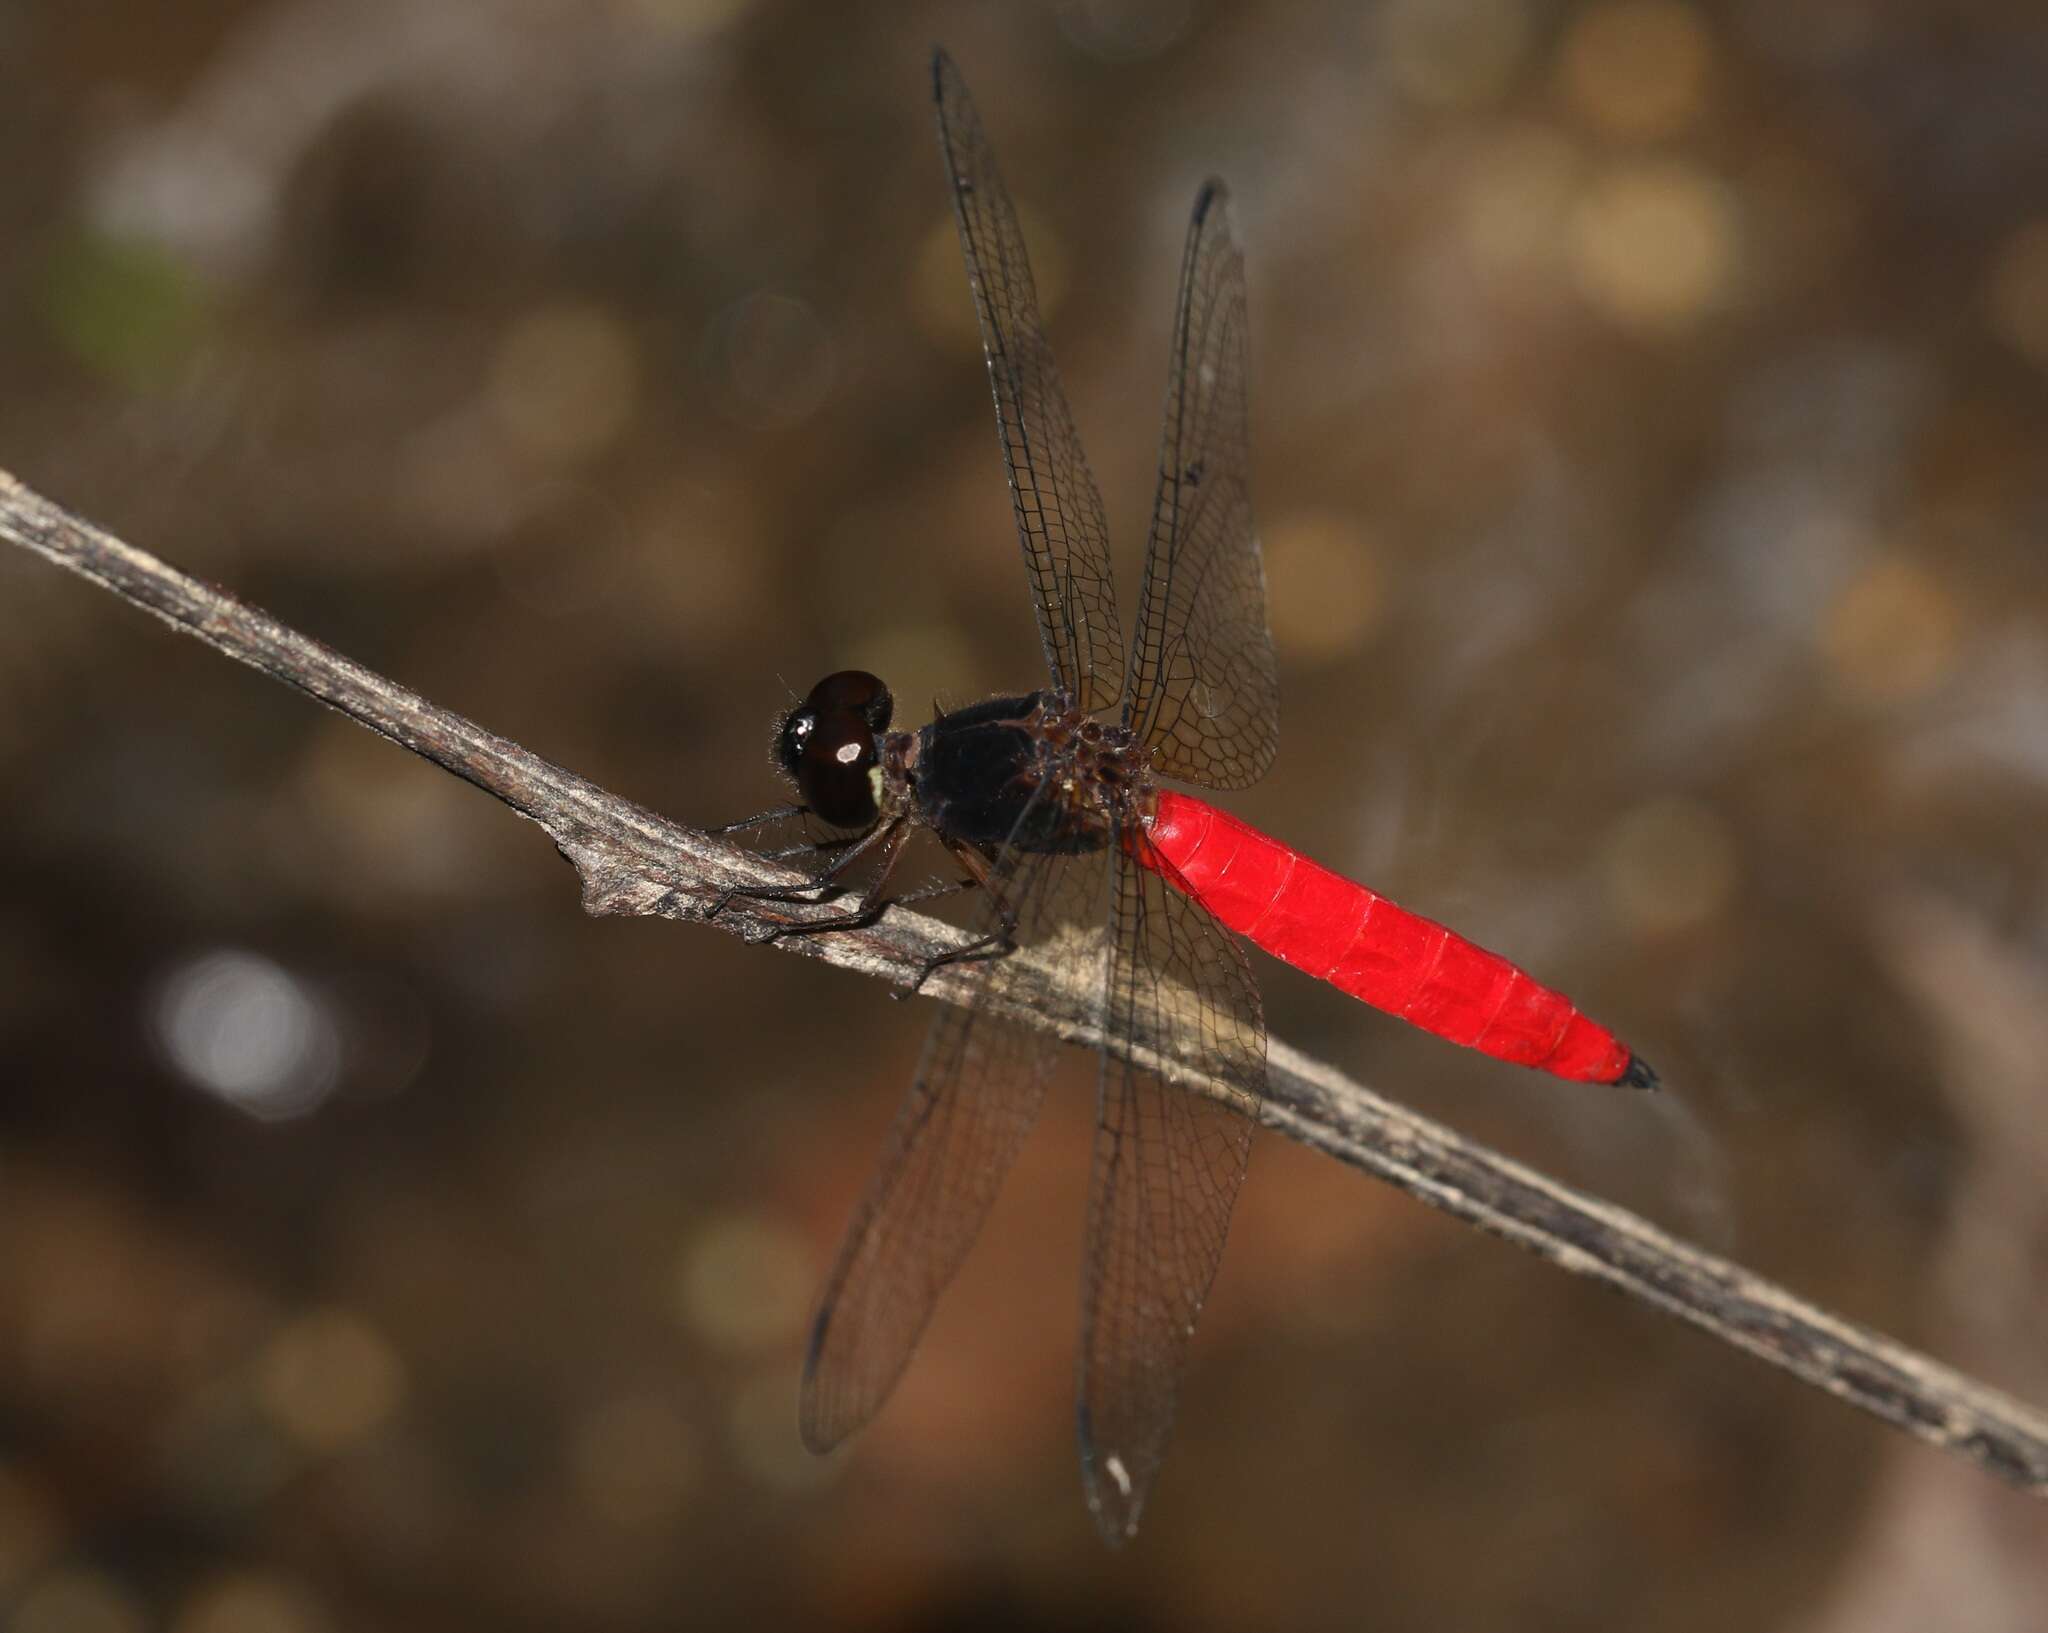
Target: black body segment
[[980, 770]]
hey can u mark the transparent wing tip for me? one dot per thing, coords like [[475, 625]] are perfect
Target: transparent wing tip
[[1116, 1492], [818, 1438], [823, 1417], [817, 1424]]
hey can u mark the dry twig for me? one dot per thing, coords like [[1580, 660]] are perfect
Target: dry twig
[[632, 861]]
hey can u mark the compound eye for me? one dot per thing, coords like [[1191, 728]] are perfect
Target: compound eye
[[855, 691], [829, 745], [835, 770], [793, 734]]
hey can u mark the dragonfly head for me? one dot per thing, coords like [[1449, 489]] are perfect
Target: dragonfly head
[[830, 746]]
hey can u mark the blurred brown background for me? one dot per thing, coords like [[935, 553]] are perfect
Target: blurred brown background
[[1651, 404]]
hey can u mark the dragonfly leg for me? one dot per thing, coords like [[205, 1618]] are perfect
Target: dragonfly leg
[[823, 888], [997, 943], [888, 838], [783, 813], [760, 819], [810, 847], [891, 839], [854, 918], [859, 918]]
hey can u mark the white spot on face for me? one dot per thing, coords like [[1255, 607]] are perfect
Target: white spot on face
[[1114, 1465], [847, 753]]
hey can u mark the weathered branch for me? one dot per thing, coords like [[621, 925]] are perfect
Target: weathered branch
[[632, 861]]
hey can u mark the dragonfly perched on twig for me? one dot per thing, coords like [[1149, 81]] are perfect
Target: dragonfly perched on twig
[[1051, 803]]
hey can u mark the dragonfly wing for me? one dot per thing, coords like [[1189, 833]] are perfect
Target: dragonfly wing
[[1203, 687], [977, 1091], [1060, 518], [1169, 1159]]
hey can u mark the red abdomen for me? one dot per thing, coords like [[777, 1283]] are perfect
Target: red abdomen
[[1359, 941]]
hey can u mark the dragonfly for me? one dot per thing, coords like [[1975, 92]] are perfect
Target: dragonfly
[[1054, 805]]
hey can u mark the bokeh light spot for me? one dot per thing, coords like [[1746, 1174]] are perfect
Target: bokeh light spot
[[1517, 196], [382, 818], [565, 382], [248, 1031], [1123, 30], [637, 1461], [30, 1529], [328, 1379], [2017, 295], [764, 1437], [1324, 590], [705, 597], [1637, 68], [461, 480], [1670, 865], [124, 307], [744, 1282], [1453, 53], [690, 19], [774, 359], [1815, 34], [1654, 244], [567, 563], [1892, 634], [77, 1601], [250, 1602]]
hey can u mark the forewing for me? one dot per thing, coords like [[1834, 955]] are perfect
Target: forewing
[[1168, 1163], [1060, 519], [1203, 688], [977, 1091]]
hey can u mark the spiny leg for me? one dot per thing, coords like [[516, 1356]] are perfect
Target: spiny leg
[[783, 813], [859, 918], [810, 847], [997, 943], [856, 918], [826, 885], [760, 819]]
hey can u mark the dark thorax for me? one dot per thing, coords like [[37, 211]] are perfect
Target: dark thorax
[[1032, 770]]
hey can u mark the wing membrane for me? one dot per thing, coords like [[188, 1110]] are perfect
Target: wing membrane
[[1168, 1163], [976, 1094], [1203, 687], [1060, 519]]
